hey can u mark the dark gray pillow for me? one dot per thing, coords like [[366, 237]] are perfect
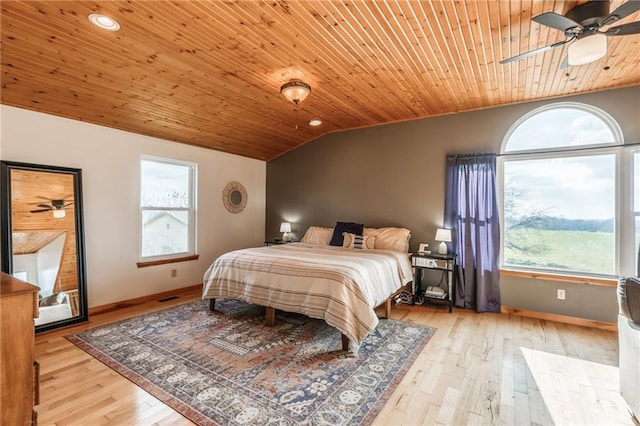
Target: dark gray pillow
[[351, 227], [629, 298]]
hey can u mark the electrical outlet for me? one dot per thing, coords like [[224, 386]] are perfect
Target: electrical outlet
[[174, 273], [561, 294]]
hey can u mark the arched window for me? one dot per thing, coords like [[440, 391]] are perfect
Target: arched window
[[559, 190]]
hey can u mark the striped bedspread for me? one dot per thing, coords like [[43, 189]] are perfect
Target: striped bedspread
[[339, 285]]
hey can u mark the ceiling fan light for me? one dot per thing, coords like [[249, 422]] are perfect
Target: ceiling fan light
[[59, 214], [295, 91], [587, 49]]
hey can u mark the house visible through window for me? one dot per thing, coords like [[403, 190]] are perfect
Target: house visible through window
[[560, 191], [167, 213]]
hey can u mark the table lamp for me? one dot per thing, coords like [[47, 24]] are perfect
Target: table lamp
[[443, 235], [285, 228]]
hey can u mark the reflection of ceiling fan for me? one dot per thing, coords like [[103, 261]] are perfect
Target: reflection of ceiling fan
[[57, 206], [581, 26]]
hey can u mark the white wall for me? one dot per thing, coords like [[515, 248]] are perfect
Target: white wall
[[49, 258], [109, 160], [27, 263]]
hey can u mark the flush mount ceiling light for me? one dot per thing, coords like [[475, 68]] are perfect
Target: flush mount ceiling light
[[587, 49], [295, 91], [315, 122], [104, 22]]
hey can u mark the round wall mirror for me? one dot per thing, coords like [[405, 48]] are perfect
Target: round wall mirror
[[234, 197]]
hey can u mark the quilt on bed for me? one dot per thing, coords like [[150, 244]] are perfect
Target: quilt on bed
[[341, 286]]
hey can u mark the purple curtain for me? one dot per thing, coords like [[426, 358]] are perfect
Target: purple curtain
[[472, 214]]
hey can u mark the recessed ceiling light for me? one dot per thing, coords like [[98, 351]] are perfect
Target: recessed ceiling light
[[315, 122], [104, 22]]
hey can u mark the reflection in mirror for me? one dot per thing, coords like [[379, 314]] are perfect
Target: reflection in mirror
[[235, 197], [42, 231]]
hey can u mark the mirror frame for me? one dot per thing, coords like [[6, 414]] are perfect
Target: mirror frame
[[7, 239], [226, 197]]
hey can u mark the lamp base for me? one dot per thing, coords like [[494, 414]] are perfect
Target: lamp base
[[285, 237], [442, 249]]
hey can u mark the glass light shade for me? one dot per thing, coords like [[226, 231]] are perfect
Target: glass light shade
[[59, 214], [295, 91], [285, 227], [587, 49]]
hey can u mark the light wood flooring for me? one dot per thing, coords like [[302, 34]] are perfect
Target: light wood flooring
[[477, 369]]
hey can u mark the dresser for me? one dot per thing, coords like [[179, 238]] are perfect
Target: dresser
[[19, 380]]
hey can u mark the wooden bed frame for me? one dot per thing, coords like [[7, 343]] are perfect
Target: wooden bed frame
[[270, 316]]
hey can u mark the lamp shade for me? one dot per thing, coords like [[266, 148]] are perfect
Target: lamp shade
[[587, 49], [295, 91], [285, 227], [443, 235], [59, 214]]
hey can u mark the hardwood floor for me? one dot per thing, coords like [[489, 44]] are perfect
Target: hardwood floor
[[477, 369]]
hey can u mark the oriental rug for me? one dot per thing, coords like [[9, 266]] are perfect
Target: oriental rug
[[226, 367]]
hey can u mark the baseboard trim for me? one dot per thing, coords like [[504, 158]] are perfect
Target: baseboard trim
[[609, 326], [144, 299]]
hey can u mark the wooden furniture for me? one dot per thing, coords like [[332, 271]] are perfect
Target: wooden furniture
[[19, 381], [434, 261]]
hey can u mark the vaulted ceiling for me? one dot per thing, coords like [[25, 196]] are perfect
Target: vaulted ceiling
[[208, 73]]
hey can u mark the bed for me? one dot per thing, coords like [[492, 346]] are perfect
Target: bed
[[54, 307], [339, 284]]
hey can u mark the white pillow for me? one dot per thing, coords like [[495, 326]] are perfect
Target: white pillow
[[364, 242], [319, 235], [390, 238]]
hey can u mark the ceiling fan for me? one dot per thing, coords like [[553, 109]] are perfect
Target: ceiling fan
[[57, 206], [582, 29]]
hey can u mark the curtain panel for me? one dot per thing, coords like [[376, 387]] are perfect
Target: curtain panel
[[472, 214]]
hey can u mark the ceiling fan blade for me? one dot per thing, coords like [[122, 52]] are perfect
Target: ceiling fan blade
[[630, 28], [40, 211], [45, 206], [534, 52], [67, 205], [555, 20], [622, 12]]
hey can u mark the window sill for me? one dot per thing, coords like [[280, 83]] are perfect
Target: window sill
[[606, 282], [144, 264]]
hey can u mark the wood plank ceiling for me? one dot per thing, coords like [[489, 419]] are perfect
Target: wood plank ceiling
[[208, 73]]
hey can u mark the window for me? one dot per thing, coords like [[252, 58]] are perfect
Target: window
[[560, 169], [167, 208], [636, 205]]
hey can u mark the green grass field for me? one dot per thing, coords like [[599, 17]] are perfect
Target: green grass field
[[564, 250]]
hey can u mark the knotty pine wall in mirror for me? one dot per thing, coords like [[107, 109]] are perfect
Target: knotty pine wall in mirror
[[25, 225]]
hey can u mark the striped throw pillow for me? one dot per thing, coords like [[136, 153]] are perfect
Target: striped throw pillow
[[363, 242]]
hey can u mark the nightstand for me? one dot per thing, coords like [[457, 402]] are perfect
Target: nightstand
[[439, 262], [276, 242]]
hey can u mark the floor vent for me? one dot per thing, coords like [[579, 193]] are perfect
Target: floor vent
[[166, 299]]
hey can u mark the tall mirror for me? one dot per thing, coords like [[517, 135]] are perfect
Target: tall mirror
[[43, 238]]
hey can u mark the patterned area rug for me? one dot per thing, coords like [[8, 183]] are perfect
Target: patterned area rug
[[226, 367]]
